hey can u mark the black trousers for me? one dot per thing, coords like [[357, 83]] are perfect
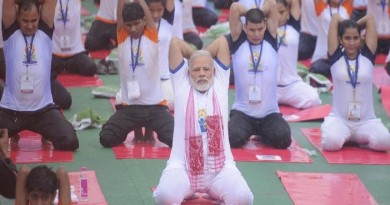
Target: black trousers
[[127, 118], [273, 129]]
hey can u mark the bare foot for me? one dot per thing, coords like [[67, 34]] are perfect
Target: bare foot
[[4, 143]]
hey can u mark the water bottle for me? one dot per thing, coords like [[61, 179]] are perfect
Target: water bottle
[[83, 184]]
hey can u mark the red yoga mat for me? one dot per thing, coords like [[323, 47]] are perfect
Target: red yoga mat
[[100, 54], [380, 77], [348, 154], [380, 59], [325, 188], [95, 194], [292, 114], [385, 96], [255, 151], [74, 80], [31, 150], [197, 199], [129, 150]]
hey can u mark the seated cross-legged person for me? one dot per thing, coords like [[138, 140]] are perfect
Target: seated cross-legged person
[[352, 118]]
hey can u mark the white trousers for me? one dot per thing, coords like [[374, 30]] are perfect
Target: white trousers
[[299, 95], [228, 186], [370, 133]]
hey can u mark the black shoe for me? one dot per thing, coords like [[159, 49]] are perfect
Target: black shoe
[[102, 67], [111, 68]]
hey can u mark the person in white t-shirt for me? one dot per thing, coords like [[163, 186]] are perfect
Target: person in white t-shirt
[[359, 9], [352, 118], [201, 159], [27, 101], [309, 29], [291, 89], [325, 10], [380, 10], [142, 100], [253, 46]]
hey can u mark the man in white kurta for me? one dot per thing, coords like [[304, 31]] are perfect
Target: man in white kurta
[[201, 159]]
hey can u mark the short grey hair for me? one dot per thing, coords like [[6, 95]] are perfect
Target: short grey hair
[[199, 53]]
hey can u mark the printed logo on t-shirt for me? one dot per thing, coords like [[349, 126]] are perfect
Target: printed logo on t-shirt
[[202, 114], [62, 11], [138, 54], [33, 58], [256, 55]]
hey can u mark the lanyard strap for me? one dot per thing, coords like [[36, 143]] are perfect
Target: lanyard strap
[[64, 13], [282, 37], [158, 26], [256, 64], [330, 9], [352, 75], [134, 61], [28, 49], [258, 4], [383, 5]]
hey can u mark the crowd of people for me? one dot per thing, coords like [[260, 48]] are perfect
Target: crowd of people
[[163, 66]]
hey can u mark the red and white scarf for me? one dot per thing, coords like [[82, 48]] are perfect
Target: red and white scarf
[[194, 144]]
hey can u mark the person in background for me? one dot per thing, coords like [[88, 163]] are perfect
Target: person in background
[[309, 29], [325, 11], [291, 89], [27, 102], [142, 99], [359, 9], [102, 34], [352, 118], [39, 186], [255, 109]]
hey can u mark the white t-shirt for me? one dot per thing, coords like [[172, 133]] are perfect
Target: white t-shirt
[[288, 43], [107, 11], [67, 32], [19, 68], [181, 87], [309, 21], [165, 34], [324, 18], [264, 78], [381, 16], [146, 71], [343, 90]]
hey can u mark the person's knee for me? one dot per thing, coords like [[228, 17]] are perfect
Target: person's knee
[[70, 143], [108, 138], [280, 138], [236, 139], [331, 142]]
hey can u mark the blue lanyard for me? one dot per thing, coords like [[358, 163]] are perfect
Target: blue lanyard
[[158, 27], [383, 4], [64, 14], [258, 4], [330, 9], [134, 62], [28, 48], [256, 64], [281, 38], [352, 75]]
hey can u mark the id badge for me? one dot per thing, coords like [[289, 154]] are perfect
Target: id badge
[[254, 94], [354, 111], [27, 83], [133, 91], [65, 43]]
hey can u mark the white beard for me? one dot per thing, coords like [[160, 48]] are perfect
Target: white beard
[[202, 87]]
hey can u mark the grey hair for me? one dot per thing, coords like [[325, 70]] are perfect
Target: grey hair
[[199, 53]]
